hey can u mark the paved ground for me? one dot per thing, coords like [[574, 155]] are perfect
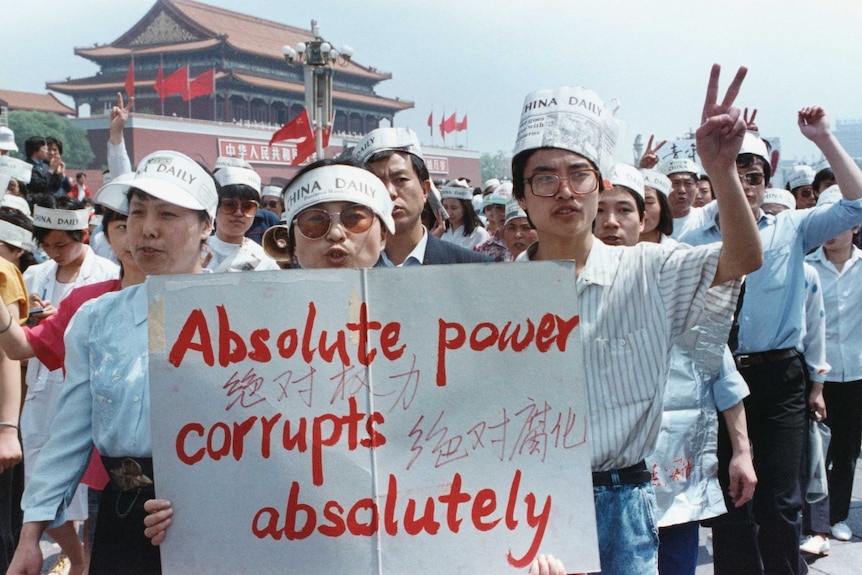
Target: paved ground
[[845, 558]]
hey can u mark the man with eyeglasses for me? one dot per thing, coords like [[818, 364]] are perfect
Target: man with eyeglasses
[[395, 156], [271, 200], [799, 183], [635, 301], [767, 348]]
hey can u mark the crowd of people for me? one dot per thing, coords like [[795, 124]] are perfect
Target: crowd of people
[[718, 316]]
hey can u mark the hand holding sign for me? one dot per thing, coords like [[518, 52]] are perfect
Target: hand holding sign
[[719, 137], [650, 158]]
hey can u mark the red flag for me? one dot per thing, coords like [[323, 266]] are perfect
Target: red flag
[[460, 126], [298, 127], [201, 85], [306, 147], [130, 79], [157, 86], [431, 122], [447, 125], [176, 83]]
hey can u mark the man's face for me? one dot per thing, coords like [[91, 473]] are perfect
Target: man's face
[[618, 222], [407, 192], [41, 153], [805, 197], [753, 184], [53, 151], [683, 189], [273, 204]]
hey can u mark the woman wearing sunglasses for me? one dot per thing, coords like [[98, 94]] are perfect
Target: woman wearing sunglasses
[[239, 198]]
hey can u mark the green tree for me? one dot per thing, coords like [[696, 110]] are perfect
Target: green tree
[[497, 165], [77, 153]]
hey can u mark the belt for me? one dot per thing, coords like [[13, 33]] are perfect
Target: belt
[[129, 473], [632, 475], [764, 357]]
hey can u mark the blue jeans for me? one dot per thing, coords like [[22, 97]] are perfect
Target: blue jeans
[[677, 550], [628, 535]]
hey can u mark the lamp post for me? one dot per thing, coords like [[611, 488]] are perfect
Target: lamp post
[[318, 58]]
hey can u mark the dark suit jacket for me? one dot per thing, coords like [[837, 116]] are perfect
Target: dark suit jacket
[[440, 252]]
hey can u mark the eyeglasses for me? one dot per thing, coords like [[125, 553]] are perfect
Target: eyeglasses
[[248, 207], [806, 192], [314, 223], [581, 182], [270, 203], [752, 178]]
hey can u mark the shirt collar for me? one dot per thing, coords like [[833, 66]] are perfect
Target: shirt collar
[[414, 258]]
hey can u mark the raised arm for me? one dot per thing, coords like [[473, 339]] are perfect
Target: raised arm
[[814, 125], [118, 158], [719, 139]]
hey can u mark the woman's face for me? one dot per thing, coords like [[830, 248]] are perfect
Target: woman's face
[[518, 235], [652, 211], [234, 218], [13, 188], [338, 247], [61, 248], [10, 253], [455, 210], [117, 235], [163, 237]]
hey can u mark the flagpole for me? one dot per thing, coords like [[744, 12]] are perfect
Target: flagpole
[[188, 87], [467, 135], [162, 98], [133, 83], [215, 97]]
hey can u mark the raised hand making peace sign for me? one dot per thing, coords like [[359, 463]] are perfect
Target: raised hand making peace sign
[[722, 126]]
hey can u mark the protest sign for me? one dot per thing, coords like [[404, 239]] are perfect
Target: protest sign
[[371, 421]]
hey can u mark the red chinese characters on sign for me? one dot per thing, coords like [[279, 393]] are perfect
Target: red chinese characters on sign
[[257, 152], [437, 164]]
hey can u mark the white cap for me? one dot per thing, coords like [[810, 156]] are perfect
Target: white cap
[[499, 196], [680, 165], [232, 176], [830, 195], [169, 176], [18, 169], [627, 176], [513, 210], [69, 220], [490, 185], [17, 203], [457, 190], [338, 183], [801, 175], [752, 143], [780, 197], [271, 191], [383, 139], [223, 162], [7, 140], [657, 181], [17, 236], [569, 118]]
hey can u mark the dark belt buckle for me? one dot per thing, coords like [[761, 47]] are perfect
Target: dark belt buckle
[[743, 360], [130, 475]]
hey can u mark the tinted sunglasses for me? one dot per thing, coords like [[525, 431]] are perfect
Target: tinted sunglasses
[[230, 206], [752, 178], [314, 223], [270, 203]]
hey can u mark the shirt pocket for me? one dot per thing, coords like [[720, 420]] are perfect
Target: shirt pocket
[[630, 366]]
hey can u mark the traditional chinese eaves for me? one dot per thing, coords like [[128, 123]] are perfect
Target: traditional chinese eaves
[[34, 102]]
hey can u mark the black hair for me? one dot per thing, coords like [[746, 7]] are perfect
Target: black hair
[[52, 140], [109, 216], [471, 218], [203, 215], [241, 191], [705, 178], [639, 201], [418, 165], [519, 162], [17, 218], [57, 203], [33, 144], [748, 160], [824, 175], [79, 174], [665, 219]]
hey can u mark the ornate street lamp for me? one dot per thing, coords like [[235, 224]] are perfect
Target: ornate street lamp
[[318, 58]]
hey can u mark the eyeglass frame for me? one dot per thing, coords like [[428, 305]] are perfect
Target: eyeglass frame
[[746, 178], [529, 181], [331, 217], [238, 205]]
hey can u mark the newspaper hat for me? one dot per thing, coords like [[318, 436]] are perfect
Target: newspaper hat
[[338, 183], [830, 195], [230, 162], [780, 197], [7, 140], [752, 143], [17, 236], [457, 190], [18, 169], [500, 195], [680, 165], [232, 176], [17, 203], [513, 210], [271, 191], [67, 220], [383, 139], [627, 176], [490, 185], [169, 176], [801, 176], [569, 118], [656, 180]]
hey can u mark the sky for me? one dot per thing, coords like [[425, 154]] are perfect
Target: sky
[[481, 57]]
